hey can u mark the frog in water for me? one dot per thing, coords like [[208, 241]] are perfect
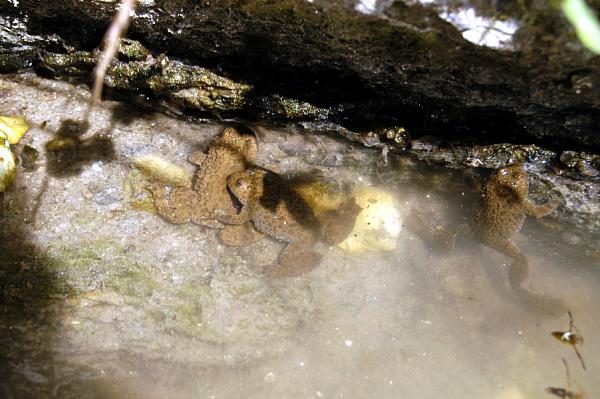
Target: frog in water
[[231, 151], [278, 211], [498, 212]]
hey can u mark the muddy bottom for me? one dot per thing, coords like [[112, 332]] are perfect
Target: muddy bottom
[[103, 298]]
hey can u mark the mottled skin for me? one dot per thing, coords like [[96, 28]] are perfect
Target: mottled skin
[[229, 152], [500, 212], [276, 210]]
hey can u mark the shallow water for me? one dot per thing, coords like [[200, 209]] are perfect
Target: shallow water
[[103, 299]]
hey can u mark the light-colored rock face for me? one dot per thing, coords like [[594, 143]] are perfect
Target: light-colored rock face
[[100, 294]]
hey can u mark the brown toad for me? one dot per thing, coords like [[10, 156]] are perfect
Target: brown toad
[[498, 212], [229, 152], [278, 211]]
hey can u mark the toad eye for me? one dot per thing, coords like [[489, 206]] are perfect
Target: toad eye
[[250, 172], [239, 183]]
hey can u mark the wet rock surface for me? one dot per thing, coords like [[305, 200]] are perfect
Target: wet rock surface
[[327, 62], [99, 294]]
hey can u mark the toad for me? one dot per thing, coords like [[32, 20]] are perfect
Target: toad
[[229, 152], [498, 212], [277, 210]]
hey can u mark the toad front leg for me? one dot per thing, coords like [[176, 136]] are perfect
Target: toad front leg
[[197, 158], [337, 224], [539, 211]]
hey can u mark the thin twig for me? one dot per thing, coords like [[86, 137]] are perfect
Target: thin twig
[[110, 43], [571, 321]]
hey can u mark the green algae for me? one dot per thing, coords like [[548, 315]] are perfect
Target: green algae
[[132, 50], [136, 70], [292, 109], [104, 264], [185, 316], [135, 281], [197, 87], [101, 263], [76, 63]]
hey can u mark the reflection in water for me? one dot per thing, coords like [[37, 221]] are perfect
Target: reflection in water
[[571, 337], [566, 393]]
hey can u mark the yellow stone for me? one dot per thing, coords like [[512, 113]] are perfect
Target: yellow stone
[[8, 167], [159, 169], [378, 225], [13, 128]]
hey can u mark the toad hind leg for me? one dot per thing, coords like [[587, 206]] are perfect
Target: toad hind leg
[[519, 269], [294, 260], [240, 235], [175, 207]]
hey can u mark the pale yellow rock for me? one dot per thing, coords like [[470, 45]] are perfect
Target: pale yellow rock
[[378, 225], [159, 169], [8, 168], [13, 128]]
